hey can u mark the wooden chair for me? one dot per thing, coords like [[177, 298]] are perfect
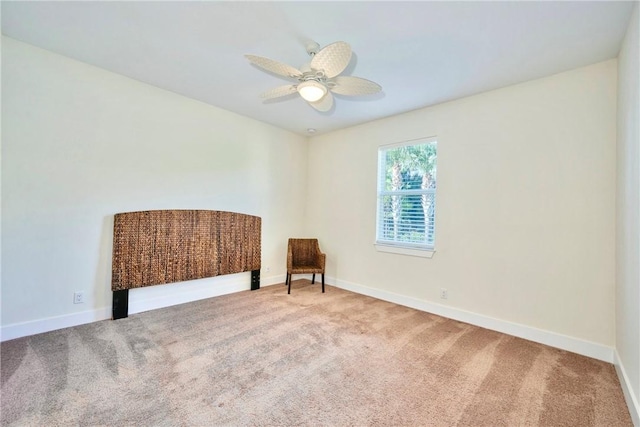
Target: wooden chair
[[304, 257]]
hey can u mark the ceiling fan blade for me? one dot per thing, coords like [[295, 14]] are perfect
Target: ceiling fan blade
[[324, 104], [279, 91], [333, 59], [274, 66], [347, 85]]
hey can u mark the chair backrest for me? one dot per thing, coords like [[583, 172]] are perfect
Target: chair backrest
[[304, 251]]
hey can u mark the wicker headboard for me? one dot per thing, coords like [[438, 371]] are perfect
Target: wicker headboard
[[168, 246]]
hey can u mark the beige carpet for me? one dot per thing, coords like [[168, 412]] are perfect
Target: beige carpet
[[268, 358]]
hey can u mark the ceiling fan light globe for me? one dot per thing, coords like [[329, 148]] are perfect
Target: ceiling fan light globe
[[311, 90]]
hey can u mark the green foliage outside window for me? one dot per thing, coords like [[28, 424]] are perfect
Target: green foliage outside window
[[406, 194]]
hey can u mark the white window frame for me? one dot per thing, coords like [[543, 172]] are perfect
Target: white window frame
[[391, 246]]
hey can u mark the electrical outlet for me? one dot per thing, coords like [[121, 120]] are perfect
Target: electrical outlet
[[78, 297], [444, 294], [267, 269]]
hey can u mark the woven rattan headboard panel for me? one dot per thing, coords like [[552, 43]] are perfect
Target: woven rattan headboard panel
[[168, 246]]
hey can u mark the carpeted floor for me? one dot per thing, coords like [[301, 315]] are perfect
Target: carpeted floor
[[268, 358]]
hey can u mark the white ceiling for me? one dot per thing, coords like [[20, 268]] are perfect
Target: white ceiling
[[421, 53]]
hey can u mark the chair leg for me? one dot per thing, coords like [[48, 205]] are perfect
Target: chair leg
[[286, 281], [289, 290], [313, 278], [323, 283]]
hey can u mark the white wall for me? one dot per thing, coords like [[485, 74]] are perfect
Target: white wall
[[628, 215], [525, 210], [81, 144]]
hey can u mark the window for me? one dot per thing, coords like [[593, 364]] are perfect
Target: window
[[407, 195]]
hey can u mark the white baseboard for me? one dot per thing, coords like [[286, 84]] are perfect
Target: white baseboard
[[564, 342], [179, 293], [142, 299], [629, 396], [18, 330]]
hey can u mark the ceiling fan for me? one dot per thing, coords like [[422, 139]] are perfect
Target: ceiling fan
[[317, 79]]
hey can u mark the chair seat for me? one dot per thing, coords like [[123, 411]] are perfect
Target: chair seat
[[306, 269]]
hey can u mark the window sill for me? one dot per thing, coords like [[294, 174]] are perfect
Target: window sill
[[422, 253]]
